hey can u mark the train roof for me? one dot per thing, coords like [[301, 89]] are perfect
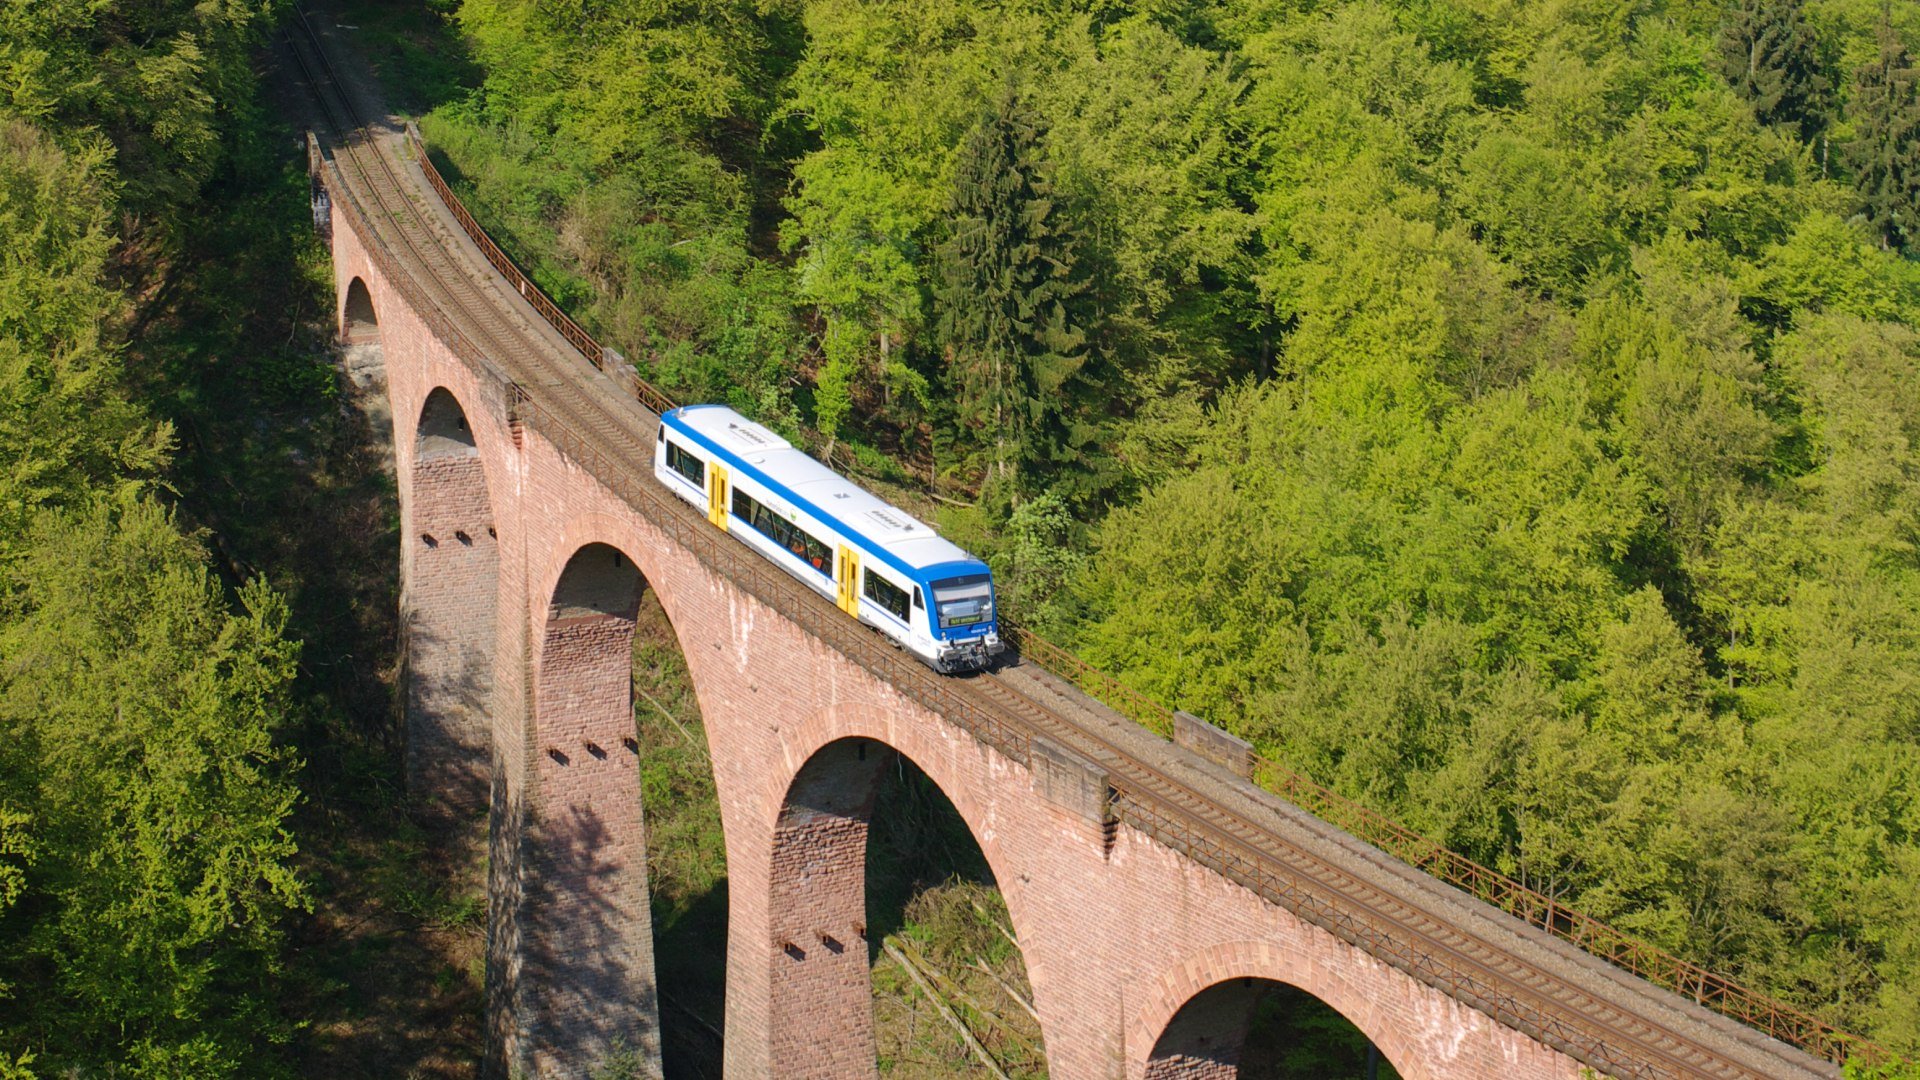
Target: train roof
[[895, 536]]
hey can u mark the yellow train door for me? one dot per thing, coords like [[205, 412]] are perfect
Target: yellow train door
[[850, 581], [717, 495]]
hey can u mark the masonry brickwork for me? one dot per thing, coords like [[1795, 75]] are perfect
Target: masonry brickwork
[[1118, 932], [451, 577]]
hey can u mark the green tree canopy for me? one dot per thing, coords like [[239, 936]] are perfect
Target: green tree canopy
[[1769, 54], [139, 717], [1007, 278], [64, 418], [151, 79], [1885, 151]]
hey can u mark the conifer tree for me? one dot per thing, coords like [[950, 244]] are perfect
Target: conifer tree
[[1767, 51], [1006, 285], [1885, 152]]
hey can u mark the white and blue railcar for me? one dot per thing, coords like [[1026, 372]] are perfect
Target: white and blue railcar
[[874, 560]]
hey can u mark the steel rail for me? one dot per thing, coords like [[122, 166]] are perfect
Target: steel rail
[[1145, 797]]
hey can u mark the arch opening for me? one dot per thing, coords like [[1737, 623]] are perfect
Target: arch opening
[[452, 568], [1263, 1029], [358, 322], [443, 430], [887, 915], [361, 355]]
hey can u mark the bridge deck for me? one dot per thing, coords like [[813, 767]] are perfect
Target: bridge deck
[[1521, 976]]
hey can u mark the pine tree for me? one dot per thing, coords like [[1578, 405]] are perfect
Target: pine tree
[[1885, 152], [1007, 283], [1768, 53]]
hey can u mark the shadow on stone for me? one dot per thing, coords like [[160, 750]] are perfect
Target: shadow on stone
[[1259, 1029]]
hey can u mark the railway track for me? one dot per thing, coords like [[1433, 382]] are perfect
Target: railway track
[[550, 381]]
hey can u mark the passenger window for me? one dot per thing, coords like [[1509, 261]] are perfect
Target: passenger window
[[886, 594], [798, 542], [686, 464]]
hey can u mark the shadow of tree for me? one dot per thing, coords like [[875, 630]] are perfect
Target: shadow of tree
[[588, 976]]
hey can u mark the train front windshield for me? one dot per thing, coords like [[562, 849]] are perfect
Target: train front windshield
[[963, 601]]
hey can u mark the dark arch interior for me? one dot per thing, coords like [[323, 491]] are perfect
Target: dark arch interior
[[359, 323], [1261, 1029], [598, 580], [444, 430]]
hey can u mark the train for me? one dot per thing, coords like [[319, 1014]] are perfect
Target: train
[[875, 561]]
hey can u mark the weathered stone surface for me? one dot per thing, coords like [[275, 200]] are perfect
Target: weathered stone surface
[[1230, 752]]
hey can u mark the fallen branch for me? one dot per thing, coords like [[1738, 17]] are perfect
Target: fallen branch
[[953, 986], [688, 735], [997, 925], [1007, 988], [945, 1010]]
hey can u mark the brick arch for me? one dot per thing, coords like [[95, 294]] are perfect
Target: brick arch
[[452, 571], [817, 956], [359, 322], [1149, 1050]]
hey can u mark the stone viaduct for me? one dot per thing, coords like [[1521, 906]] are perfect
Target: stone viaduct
[[1154, 892]]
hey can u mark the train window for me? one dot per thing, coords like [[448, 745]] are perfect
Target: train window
[[686, 464], [799, 543], [886, 594], [963, 601], [917, 601]]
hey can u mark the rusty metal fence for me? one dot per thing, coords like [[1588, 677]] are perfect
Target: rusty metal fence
[[600, 356], [1721, 994]]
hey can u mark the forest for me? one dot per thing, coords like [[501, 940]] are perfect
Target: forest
[[1506, 412]]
